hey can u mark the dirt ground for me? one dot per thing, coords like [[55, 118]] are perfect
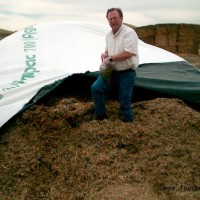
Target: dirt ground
[[56, 150], [191, 58]]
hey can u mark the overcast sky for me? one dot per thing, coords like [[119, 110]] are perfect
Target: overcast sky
[[17, 14]]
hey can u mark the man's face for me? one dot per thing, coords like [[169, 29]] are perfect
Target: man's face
[[115, 21]]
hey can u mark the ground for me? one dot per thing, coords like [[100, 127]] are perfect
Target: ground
[[193, 59]]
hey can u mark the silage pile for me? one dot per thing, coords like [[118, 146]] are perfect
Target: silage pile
[[56, 150]]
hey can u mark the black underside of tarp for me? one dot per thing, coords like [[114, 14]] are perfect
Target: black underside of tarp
[[171, 80]]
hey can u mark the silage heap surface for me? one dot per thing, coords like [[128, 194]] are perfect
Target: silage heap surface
[[56, 150]]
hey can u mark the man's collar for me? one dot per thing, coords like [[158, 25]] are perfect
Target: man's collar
[[118, 30]]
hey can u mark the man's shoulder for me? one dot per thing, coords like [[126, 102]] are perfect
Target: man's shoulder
[[127, 28]]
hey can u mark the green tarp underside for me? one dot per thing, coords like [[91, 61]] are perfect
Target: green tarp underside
[[174, 79]]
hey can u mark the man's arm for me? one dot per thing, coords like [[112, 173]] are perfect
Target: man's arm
[[117, 57], [122, 56]]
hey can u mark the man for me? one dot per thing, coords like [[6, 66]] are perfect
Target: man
[[122, 54]]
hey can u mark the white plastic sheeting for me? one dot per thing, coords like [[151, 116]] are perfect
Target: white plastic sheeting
[[41, 54]]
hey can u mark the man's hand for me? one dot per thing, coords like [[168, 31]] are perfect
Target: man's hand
[[103, 56], [106, 61]]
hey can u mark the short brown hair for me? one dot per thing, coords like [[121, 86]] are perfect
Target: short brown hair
[[113, 9]]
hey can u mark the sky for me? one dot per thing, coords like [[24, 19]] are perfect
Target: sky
[[18, 14]]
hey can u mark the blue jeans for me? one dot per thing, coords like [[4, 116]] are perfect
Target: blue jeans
[[124, 81]]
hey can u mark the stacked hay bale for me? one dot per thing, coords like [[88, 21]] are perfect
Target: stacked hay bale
[[176, 38]]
